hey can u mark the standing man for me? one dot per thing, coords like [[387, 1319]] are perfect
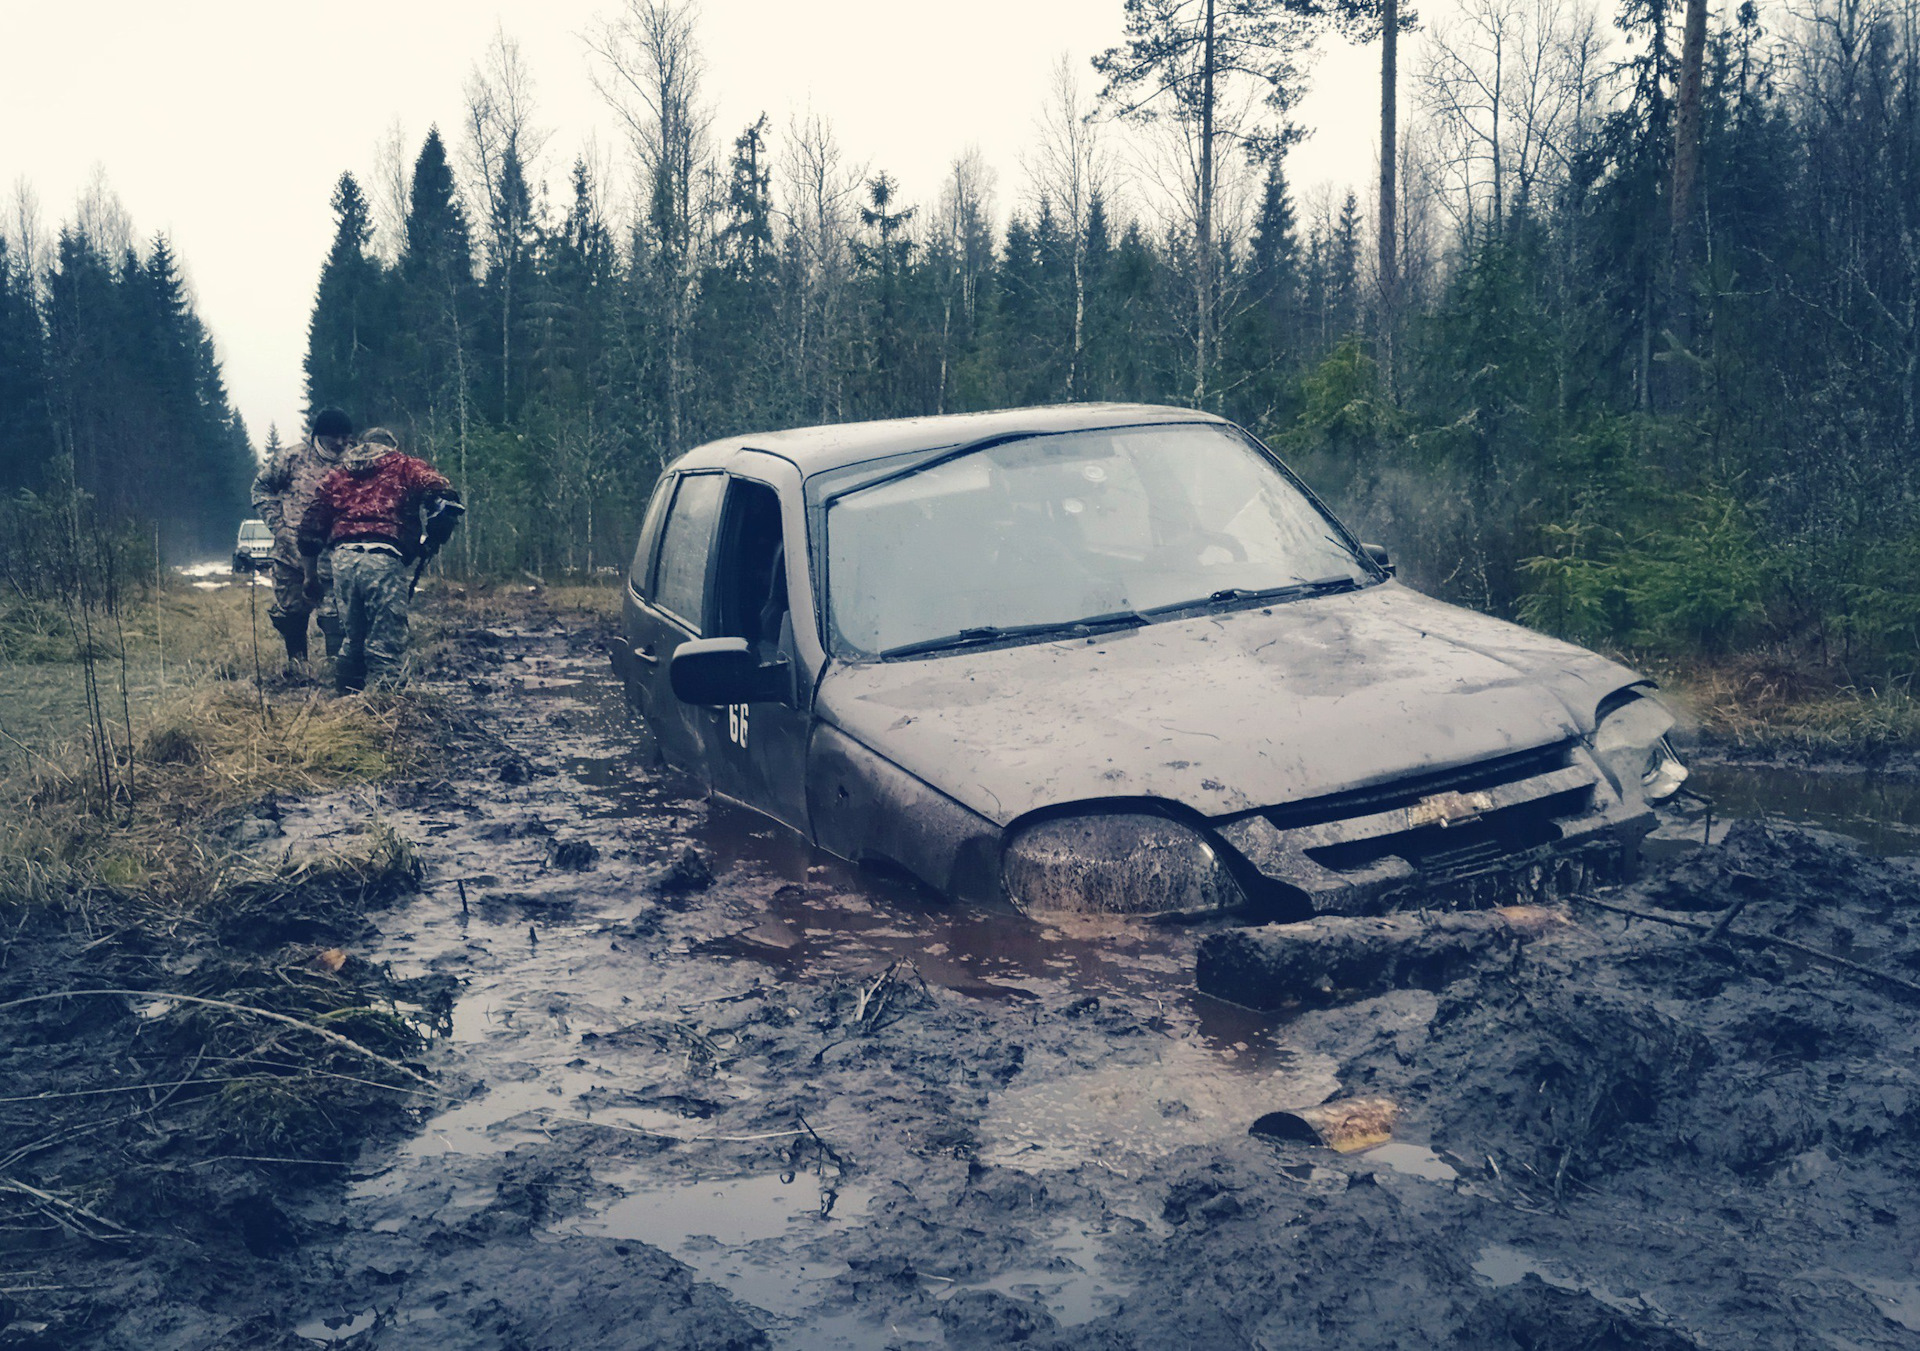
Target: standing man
[[376, 514], [281, 493]]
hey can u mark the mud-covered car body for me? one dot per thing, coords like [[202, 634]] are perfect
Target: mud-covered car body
[[1335, 743], [253, 548]]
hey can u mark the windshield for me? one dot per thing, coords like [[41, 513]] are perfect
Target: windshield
[[1050, 530], [252, 531]]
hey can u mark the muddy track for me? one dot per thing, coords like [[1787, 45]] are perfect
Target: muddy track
[[707, 1089]]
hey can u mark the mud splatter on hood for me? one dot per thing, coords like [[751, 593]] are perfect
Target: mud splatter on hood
[[1228, 712]]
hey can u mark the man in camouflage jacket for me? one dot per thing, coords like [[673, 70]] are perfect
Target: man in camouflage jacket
[[367, 515], [281, 493]]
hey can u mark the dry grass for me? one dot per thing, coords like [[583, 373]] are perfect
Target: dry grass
[[206, 741], [1758, 705]]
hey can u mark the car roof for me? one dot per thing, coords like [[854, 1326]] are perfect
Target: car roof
[[815, 450]]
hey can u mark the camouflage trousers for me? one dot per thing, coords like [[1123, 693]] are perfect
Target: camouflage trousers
[[371, 586], [291, 607]]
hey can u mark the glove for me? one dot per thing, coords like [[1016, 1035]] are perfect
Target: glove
[[443, 514]]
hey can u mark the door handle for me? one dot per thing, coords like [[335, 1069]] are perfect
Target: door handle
[[646, 654]]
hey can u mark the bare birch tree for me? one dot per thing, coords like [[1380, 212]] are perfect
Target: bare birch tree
[[648, 67], [1507, 85], [502, 148], [389, 187], [26, 234], [962, 245], [1068, 169], [1203, 66], [818, 188]]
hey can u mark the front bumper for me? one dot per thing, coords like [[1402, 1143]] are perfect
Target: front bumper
[[1535, 825]]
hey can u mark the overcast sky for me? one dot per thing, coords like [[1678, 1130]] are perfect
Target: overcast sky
[[225, 123]]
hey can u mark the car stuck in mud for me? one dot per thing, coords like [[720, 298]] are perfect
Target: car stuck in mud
[[1114, 658]]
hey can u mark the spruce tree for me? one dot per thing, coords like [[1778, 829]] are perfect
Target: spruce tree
[[347, 335], [26, 432], [439, 309]]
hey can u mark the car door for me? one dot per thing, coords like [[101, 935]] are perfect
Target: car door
[[635, 658], [672, 611], [758, 752]]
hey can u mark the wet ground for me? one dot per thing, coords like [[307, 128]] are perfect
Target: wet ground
[[706, 1088]]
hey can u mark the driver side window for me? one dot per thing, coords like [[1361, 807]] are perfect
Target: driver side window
[[680, 581]]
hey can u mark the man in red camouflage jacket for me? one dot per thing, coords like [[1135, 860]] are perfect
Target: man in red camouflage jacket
[[367, 515]]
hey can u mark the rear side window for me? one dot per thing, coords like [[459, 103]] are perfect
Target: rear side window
[[680, 584], [637, 576]]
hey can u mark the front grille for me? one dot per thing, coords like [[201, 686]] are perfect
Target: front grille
[[1477, 777], [1441, 851]]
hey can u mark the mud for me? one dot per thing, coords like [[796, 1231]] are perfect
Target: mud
[[707, 1089]]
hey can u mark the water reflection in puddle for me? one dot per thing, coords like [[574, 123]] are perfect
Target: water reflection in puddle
[[1881, 813], [1108, 1115], [730, 1230], [823, 915], [1501, 1266], [336, 1327], [1412, 1161], [1073, 1284]]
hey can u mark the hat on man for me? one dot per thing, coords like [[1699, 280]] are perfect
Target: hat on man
[[332, 422]]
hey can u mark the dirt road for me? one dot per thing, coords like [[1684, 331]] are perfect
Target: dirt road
[[704, 1089]]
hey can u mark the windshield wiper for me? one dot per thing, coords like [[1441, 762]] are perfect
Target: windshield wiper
[[1240, 595], [993, 633]]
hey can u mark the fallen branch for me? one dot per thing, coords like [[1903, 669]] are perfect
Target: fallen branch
[[1720, 931], [345, 1043], [67, 1214]]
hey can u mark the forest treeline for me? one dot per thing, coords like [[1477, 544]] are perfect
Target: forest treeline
[[110, 389], [1667, 404]]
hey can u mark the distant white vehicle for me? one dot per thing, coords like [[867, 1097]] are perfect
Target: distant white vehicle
[[254, 549]]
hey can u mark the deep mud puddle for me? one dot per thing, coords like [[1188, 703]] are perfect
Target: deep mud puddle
[[764, 1098], [1878, 812], [687, 1070]]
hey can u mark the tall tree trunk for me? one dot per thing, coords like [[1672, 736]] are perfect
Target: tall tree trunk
[[506, 343], [1079, 318], [1686, 175], [1389, 183], [1204, 234]]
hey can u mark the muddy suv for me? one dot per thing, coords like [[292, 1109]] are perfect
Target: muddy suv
[[253, 550], [1118, 658]]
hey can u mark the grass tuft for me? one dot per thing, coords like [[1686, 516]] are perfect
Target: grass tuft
[[1771, 707]]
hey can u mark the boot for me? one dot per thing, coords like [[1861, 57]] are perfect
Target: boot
[[293, 631], [349, 676]]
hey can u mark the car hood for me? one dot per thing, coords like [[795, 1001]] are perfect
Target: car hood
[[1225, 712]]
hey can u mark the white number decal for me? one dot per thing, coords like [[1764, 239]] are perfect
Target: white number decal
[[737, 724]]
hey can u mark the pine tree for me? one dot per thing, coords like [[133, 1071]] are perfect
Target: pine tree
[[1343, 290], [349, 331], [747, 238], [885, 258], [438, 308], [26, 433]]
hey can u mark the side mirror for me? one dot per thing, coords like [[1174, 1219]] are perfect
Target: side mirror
[[1378, 553], [718, 671]]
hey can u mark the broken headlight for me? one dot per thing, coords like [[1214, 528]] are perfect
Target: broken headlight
[[1631, 743], [1124, 863]]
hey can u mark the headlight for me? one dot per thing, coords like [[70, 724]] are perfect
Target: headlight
[[1128, 864], [1631, 742]]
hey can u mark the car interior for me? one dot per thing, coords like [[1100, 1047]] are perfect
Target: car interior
[[751, 577]]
